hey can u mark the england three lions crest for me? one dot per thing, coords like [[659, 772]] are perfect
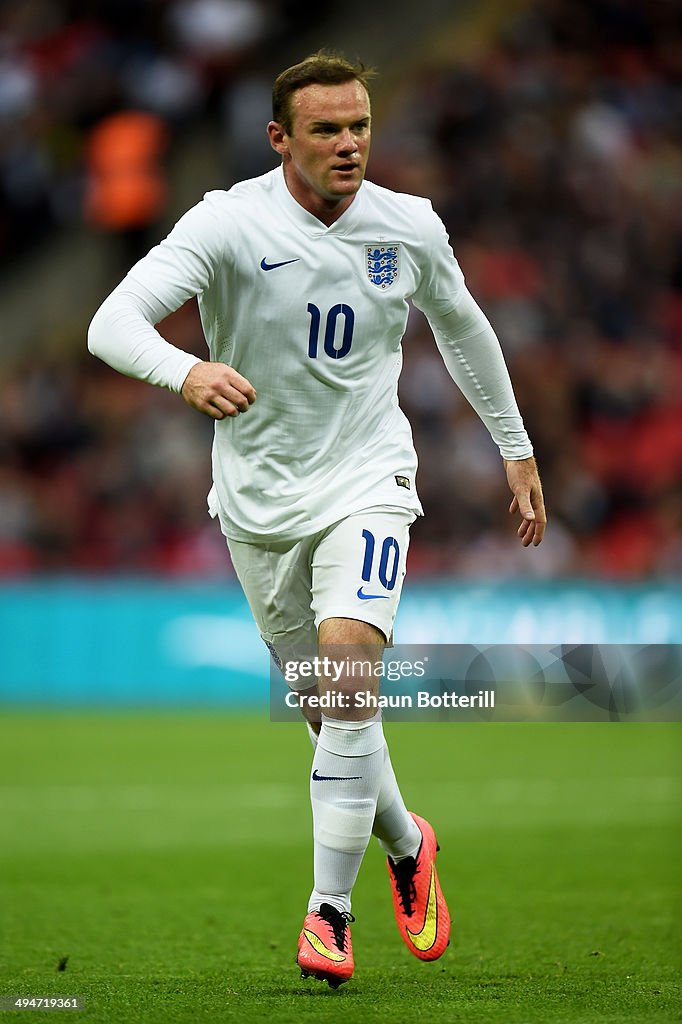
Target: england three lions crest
[[383, 264]]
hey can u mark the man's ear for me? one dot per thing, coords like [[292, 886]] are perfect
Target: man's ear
[[278, 138]]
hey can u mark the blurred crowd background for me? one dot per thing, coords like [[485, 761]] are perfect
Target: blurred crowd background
[[551, 146]]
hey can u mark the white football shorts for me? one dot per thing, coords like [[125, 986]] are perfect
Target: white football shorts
[[353, 569]]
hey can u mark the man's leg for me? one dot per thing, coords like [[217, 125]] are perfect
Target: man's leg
[[421, 912], [393, 825], [361, 556], [358, 568], [277, 581], [344, 785], [348, 764]]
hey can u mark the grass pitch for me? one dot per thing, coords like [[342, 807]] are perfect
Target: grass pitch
[[168, 857]]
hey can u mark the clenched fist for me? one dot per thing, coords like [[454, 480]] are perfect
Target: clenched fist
[[217, 390]]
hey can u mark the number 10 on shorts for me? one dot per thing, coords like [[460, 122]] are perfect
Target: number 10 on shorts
[[389, 559]]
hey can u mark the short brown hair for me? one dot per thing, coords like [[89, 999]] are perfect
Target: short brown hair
[[321, 68]]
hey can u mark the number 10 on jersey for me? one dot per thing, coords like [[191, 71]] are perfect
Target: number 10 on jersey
[[340, 320]]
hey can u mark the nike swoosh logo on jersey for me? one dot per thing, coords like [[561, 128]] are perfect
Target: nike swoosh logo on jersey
[[426, 936], [264, 265], [371, 597], [335, 778]]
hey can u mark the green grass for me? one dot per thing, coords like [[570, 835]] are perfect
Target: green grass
[[169, 857]]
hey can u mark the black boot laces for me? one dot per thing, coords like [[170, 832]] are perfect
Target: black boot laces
[[338, 920], [404, 873]]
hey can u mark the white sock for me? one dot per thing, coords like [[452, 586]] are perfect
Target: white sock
[[344, 786], [394, 827]]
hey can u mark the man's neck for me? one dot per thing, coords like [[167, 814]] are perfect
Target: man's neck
[[326, 210]]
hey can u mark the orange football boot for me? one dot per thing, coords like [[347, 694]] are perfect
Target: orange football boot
[[325, 950], [421, 912]]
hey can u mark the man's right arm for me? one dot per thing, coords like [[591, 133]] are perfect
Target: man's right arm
[[122, 332]]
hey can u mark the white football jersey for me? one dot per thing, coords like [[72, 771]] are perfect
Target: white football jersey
[[313, 317]]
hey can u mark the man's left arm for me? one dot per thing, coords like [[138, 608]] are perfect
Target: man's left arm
[[473, 357], [528, 500]]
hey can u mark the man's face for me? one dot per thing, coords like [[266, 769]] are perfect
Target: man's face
[[326, 153]]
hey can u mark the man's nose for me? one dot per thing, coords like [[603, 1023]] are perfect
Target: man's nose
[[346, 142]]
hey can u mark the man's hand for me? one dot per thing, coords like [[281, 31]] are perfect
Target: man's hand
[[217, 390], [524, 482]]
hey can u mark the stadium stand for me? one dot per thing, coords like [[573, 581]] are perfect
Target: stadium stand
[[551, 149]]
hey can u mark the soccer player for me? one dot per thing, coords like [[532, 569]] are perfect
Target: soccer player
[[303, 277]]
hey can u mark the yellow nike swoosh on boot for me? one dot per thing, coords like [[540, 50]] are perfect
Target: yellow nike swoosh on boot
[[425, 938], [319, 947]]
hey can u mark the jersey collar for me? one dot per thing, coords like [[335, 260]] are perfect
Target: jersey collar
[[308, 221]]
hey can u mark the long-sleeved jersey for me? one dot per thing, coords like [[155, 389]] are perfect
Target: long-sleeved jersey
[[313, 316]]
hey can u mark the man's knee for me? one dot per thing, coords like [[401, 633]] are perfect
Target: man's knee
[[350, 652]]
